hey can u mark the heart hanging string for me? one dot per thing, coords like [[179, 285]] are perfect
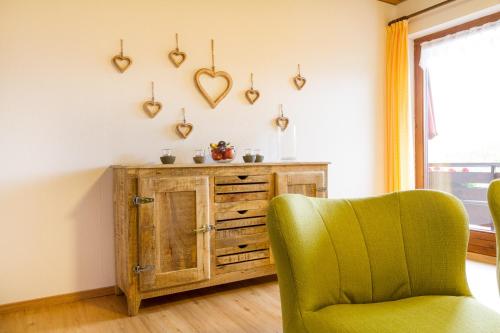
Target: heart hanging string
[[252, 95], [299, 80], [152, 107], [176, 56], [211, 72], [120, 61], [184, 129], [282, 121]]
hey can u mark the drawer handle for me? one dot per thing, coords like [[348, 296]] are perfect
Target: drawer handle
[[242, 177], [242, 246], [242, 211]]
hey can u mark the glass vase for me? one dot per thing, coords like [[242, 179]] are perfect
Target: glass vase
[[287, 143]]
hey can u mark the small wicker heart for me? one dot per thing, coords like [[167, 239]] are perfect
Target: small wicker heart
[[213, 74], [184, 129], [299, 81], [282, 122], [121, 62], [252, 95], [151, 108], [177, 57]]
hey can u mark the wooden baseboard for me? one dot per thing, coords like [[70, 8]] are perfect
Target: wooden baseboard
[[481, 258], [57, 299]]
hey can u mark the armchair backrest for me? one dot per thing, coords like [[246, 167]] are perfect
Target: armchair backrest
[[367, 250]]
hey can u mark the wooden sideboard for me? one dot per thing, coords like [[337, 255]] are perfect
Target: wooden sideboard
[[183, 227]]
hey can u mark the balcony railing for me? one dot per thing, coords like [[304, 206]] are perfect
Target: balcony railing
[[469, 182]]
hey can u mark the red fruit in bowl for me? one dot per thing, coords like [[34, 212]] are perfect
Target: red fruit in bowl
[[216, 155], [229, 154]]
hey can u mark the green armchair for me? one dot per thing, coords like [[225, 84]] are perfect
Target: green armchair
[[394, 263], [494, 203]]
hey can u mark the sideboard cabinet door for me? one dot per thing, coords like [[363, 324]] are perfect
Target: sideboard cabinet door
[[174, 231], [309, 183]]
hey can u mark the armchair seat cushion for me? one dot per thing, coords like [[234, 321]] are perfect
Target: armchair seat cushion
[[422, 314]]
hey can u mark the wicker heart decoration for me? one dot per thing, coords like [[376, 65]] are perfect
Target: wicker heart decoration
[[213, 74], [121, 62], [282, 122], [299, 81], [152, 108], [184, 129], [252, 95], [177, 57]]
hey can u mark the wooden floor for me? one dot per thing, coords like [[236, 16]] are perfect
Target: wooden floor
[[242, 307], [250, 306]]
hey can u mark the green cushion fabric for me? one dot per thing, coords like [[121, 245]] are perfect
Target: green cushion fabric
[[421, 314], [494, 203], [336, 254]]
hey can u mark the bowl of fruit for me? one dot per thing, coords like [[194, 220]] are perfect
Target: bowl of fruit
[[222, 152]]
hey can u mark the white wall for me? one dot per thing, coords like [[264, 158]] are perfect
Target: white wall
[[66, 115]]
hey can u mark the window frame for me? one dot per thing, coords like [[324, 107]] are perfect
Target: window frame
[[482, 242]]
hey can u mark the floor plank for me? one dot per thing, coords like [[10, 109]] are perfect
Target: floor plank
[[243, 307]]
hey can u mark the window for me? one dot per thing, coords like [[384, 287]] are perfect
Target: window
[[457, 118]]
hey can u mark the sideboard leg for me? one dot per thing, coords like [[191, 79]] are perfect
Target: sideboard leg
[[118, 291], [133, 304]]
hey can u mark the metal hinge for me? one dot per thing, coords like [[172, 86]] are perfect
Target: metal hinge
[[139, 269], [321, 189], [142, 200], [205, 228]]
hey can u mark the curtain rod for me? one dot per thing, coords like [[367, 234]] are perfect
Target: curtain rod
[[425, 10]]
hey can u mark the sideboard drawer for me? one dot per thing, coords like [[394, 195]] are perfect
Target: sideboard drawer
[[238, 223], [242, 247], [242, 188], [240, 266], [242, 179], [233, 197], [242, 206], [240, 214], [239, 233], [240, 257], [241, 238]]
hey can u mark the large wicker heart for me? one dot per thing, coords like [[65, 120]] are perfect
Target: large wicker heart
[[152, 108], [282, 123], [184, 129], [299, 81], [252, 95], [177, 57], [213, 101], [121, 62]]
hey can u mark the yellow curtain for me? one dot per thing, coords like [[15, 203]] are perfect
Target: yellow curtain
[[397, 136]]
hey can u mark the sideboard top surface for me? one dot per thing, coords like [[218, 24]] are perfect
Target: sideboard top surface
[[213, 165]]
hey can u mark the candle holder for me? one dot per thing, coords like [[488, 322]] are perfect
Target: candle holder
[[199, 156], [167, 157], [249, 156], [259, 158]]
